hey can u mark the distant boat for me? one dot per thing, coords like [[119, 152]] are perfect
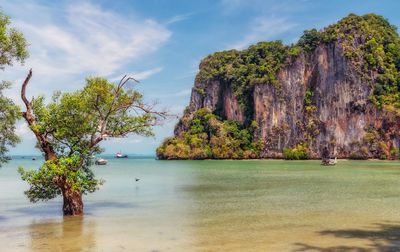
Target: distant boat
[[119, 155], [101, 161], [330, 161], [34, 158]]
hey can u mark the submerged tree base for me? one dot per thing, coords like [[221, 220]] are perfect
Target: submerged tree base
[[73, 204]]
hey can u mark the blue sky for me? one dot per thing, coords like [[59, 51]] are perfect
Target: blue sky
[[158, 42]]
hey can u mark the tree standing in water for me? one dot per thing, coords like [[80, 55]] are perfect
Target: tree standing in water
[[69, 129], [12, 49]]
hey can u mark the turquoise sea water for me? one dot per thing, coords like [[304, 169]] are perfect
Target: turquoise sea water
[[213, 206]]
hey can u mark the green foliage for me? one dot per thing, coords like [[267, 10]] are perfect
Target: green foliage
[[200, 91], [371, 136], [369, 41], [209, 137], [310, 40], [374, 47], [12, 48], [42, 186], [243, 69], [394, 153], [75, 123], [297, 153], [12, 43], [9, 113], [361, 153], [308, 106]]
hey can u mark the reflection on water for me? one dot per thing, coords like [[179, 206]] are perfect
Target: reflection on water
[[214, 206], [72, 233]]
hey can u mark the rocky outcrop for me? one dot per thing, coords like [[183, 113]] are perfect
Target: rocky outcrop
[[321, 100]]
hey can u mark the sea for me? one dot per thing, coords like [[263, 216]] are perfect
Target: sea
[[212, 205]]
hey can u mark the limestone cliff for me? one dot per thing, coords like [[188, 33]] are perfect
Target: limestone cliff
[[323, 92]]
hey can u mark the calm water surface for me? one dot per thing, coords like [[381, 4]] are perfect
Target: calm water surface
[[213, 206]]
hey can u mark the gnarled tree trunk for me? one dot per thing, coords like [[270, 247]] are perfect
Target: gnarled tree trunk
[[73, 204]]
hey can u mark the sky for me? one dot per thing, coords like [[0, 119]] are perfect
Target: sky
[[160, 43]]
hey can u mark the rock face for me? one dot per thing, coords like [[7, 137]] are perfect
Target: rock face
[[339, 117], [323, 97]]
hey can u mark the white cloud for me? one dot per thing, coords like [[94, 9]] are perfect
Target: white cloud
[[140, 75], [92, 41], [135, 140], [146, 74], [22, 130], [178, 18], [263, 29]]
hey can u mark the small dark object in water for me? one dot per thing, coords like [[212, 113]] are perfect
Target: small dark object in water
[[34, 158], [136, 179]]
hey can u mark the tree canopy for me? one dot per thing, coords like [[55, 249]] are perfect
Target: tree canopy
[[12, 49], [70, 127], [9, 113], [12, 43]]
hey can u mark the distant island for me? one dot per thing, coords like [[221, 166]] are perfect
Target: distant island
[[336, 89]]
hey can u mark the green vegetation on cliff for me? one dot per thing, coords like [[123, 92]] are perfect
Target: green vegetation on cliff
[[373, 45], [297, 153], [369, 42], [243, 69], [209, 137]]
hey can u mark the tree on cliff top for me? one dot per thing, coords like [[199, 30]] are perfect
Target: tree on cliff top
[[69, 129], [12, 48]]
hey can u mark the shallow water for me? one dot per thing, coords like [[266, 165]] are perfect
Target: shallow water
[[213, 206]]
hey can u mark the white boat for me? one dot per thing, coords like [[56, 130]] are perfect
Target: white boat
[[332, 161], [329, 161], [119, 155], [101, 161]]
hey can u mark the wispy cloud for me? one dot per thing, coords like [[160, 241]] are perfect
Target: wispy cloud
[[263, 29], [146, 74], [22, 130], [178, 18], [184, 92], [140, 75], [93, 41]]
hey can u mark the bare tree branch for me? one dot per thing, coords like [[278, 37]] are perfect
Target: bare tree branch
[[43, 142], [27, 103]]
